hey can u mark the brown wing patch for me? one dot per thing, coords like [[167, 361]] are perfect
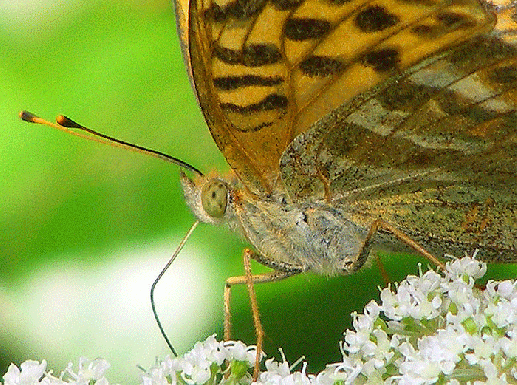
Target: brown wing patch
[[432, 150], [455, 113], [449, 218]]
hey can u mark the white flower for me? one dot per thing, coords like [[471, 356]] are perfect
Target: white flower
[[431, 328], [88, 370], [236, 350], [346, 372], [156, 376], [280, 373], [466, 267], [30, 372]]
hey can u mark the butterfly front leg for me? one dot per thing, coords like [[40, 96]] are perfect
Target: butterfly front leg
[[381, 224], [250, 280]]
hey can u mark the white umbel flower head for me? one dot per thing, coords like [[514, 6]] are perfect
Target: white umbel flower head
[[434, 328], [33, 373]]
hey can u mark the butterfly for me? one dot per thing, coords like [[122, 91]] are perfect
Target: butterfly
[[337, 114], [356, 124]]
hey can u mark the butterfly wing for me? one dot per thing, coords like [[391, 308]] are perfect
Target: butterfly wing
[[181, 8], [265, 71], [432, 150]]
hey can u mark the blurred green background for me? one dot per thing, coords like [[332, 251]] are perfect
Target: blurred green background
[[85, 228]]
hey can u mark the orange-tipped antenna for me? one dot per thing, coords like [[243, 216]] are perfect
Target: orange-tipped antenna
[[68, 125]]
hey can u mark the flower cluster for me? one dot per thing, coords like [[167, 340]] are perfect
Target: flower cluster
[[209, 362], [33, 372], [433, 329]]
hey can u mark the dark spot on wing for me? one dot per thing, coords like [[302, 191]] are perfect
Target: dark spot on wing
[[453, 20], [286, 5], [374, 19], [405, 96], [322, 66], [270, 102], [306, 29], [504, 75], [260, 54], [338, 2], [251, 56], [382, 60], [238, 10], [227, 83]]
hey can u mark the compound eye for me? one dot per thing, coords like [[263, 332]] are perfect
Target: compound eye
[[214, 198]]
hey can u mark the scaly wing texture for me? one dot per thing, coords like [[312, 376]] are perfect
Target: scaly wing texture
[[266, 71], [432, 150]]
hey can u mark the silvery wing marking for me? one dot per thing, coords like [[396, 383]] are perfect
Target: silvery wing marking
[[433, 151]]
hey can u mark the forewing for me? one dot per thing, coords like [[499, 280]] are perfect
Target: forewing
[[265, 71]]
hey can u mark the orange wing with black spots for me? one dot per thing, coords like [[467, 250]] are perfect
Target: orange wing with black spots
[[266, 71]]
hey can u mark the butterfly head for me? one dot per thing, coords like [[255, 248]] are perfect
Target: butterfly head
[[208, 196]]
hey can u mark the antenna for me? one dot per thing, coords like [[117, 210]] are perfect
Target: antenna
[[167, 265], [67, 125]]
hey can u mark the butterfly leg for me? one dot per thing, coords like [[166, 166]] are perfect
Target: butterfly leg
[[380, 224], [382, 269], [250, 280]]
